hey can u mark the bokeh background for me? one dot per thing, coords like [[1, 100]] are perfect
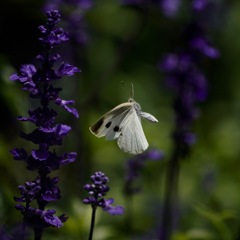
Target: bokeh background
[[112, 43]]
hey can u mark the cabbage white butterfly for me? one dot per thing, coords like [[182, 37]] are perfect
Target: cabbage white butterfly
[[124, 124]]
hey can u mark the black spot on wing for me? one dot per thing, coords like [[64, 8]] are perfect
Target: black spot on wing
[[108, 124], [97, 126], [116, 129]]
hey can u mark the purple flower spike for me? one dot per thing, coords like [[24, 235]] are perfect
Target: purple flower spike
[[97, 190], [38, 81]]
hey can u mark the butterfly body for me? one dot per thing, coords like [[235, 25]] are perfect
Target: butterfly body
[[124, 124]]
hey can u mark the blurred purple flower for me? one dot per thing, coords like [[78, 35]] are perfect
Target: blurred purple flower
[[10, 232], [186, 80], [4, 235], [201, 43], [134, 167], [38, 81], [133, 2], [199, 5], [169, 7]]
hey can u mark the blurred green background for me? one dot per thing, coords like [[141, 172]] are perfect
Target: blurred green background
[[125, 44]]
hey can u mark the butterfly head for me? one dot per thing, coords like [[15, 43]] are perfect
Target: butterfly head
[[131, 100], [135, 104]]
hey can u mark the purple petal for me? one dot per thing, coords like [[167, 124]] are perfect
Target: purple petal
[[47, 129], [51, 196], [14, 77], [28, 70], [19, 207], [63, 103], [19, 153], [51, 219], [62, 129], [40, 154], [67, 70], [68, 158], [113, 210], [26, 73], [53, 17], [42, 29], [29, 119]]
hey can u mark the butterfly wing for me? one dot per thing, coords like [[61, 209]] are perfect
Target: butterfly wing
[[109, 124], [132, 138], [148, 116]]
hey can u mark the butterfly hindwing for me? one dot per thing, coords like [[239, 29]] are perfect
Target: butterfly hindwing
[[109, 124], [132, 138], [148, 116]]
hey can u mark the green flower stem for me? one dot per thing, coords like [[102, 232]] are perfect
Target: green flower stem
[[94, 208]]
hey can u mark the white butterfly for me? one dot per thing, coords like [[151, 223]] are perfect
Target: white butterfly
[[124, 124]]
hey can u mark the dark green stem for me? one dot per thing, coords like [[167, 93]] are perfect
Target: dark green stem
[[38, 233], [94, 208], [129, 214], [171, 195], [22, 237]]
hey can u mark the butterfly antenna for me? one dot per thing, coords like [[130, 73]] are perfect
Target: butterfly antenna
[[132, 91]]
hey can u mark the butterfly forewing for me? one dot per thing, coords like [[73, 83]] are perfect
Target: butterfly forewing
[[109, 124], [132, 138]]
